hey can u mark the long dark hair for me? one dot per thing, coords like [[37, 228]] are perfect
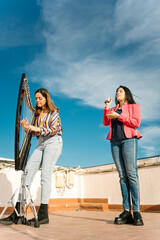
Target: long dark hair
[[129, 96], [49, 102]]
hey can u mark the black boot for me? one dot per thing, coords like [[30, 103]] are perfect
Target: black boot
[[11, 218], [138, 221], [42, 215], [124, 218]]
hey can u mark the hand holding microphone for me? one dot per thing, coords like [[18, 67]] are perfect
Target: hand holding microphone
[[108, 102]]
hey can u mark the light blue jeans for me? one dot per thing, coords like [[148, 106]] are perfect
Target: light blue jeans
[[45, 155], [124, 153]]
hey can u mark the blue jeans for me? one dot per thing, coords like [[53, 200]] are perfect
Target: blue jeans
[[124, 153], [45, 155]]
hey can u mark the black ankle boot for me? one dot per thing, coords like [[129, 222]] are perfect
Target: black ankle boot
[[124, 218], [11, 218], [138, 221], [42, 215]]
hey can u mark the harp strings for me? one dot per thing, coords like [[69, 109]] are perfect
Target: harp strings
[[26, 113]]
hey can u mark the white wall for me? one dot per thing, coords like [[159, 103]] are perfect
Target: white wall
[[90, 184], [107, 186]]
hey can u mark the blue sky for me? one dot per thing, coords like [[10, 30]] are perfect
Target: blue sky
[[81, 51]]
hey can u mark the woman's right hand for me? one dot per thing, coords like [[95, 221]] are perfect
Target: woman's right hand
[[108, 102], [24, 123]]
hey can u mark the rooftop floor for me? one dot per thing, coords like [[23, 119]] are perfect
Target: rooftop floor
[[85, 225]]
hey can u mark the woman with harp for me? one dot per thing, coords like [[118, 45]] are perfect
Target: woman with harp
[[47, 129]]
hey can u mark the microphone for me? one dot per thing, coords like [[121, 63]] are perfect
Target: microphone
[[106, 101]]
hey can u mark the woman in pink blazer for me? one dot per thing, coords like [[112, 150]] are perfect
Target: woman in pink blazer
[[124, 119]]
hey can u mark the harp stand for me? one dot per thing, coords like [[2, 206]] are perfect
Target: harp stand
[[25, 202]]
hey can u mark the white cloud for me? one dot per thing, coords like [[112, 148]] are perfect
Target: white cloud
[[137, 21], [93, 81], [77, 62], [150, 142]]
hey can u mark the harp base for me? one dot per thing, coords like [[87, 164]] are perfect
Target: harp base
[[25, 202]]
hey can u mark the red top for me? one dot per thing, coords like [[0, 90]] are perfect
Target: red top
[[130, 116]]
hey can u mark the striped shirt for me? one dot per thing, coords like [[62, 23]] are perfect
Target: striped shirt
[[50, 124]]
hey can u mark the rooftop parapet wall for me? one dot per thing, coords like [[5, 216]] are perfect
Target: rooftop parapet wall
[[101, 182], [141, 163]]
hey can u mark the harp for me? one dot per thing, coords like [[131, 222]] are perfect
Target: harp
[[23, 144], [21, 157]]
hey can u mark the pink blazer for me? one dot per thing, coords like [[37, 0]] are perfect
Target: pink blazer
[[130, 117]]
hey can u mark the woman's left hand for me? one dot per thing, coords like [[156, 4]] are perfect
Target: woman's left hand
[[113, 115]]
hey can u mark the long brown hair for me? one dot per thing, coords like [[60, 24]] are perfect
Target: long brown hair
[[49, 102]]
